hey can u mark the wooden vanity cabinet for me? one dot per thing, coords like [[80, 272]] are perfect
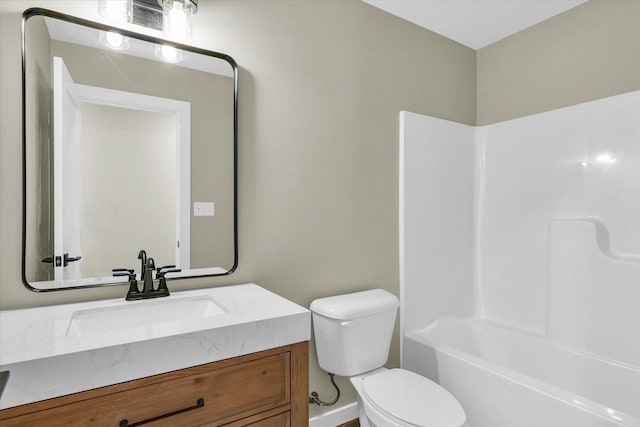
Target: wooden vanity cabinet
[[265, 389]]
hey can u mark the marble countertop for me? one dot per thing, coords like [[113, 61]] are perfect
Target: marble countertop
[[46, 358]]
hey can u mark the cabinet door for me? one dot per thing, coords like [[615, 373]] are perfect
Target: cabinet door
[[230, 393]]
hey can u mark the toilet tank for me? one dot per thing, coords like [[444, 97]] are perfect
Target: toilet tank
[[353, 331]]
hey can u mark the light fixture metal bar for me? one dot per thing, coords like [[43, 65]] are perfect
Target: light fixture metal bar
[[147, 13]]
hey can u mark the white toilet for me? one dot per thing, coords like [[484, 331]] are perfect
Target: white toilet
[[353, 335]]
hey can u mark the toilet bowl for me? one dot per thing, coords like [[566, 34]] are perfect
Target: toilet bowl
[[353, 335], [400, 398]]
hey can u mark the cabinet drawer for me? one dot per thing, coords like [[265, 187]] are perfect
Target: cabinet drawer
[[281, 420], [229, 393], [273, 418], [265, 419]]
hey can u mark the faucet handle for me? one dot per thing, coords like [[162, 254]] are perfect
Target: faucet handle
[[124, 272], [164, 269], [162, 286], [133, 285], [160, 274]]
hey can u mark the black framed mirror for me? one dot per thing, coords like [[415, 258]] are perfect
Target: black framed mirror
[[129, 143]]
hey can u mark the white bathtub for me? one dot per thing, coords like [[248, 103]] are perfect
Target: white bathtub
[[505, 377]]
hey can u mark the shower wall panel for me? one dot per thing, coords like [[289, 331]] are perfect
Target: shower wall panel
[[436, 219], [532, 223], [542, 175]]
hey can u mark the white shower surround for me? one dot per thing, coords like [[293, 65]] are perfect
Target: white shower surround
[[532, 224]]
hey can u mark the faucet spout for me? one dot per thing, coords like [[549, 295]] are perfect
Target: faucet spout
[[142, 256], [148, 275]]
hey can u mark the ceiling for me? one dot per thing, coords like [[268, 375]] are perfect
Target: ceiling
[[475, 23]]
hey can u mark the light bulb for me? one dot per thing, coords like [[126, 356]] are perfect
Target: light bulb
[[115, 10], [177, 19], [178, 16]]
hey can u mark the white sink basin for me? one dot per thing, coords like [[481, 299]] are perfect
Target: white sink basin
[[143, 314]]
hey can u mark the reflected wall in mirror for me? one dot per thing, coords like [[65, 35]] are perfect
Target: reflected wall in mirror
[[129, 143]]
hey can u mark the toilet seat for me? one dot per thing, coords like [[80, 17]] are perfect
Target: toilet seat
[[412, 399]]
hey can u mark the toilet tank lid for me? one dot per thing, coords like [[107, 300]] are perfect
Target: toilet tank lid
[[354, 305]]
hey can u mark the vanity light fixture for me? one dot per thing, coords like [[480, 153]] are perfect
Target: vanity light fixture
[[168, 53], [177, 18], [173, 17], [113, 40]]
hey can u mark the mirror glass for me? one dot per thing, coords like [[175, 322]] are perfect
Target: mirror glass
[[129, 144]]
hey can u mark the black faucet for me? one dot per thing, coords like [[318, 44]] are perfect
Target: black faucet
[[147, 265], [147, 275]]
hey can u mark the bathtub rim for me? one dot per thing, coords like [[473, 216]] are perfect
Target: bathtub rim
[[552, 391]]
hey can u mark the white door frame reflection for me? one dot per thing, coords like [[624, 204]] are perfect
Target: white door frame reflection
[[69, 97]]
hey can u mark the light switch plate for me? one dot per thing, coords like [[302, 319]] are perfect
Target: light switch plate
[[203, 209]]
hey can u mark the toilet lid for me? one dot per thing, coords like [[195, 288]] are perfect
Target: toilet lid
[[413, 399]]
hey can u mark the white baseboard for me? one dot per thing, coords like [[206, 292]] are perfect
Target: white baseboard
[[336, 417]]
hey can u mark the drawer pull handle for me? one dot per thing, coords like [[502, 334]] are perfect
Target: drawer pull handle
[[199, 404]]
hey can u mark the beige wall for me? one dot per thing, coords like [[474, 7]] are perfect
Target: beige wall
[[321, 85], [586, 53]]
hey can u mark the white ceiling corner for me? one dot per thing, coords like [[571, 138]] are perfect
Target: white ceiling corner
[[475, 23]]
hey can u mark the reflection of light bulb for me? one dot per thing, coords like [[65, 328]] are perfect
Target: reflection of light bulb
[[168, 53], [602, 161], [114, 41], [605, 159]]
